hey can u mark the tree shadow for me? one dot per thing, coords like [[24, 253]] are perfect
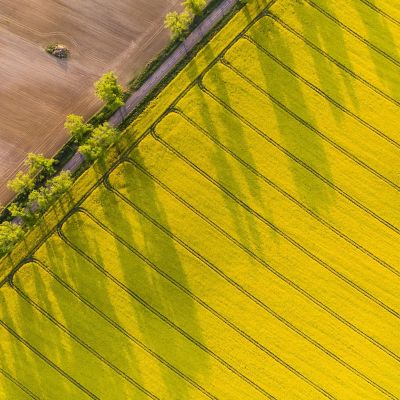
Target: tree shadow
[[62, 272], [377, 28], [290, 132], [227, 126], [43, 356], [15, 356], [296, 138], [122, 237], [160, 250], [333, 43]]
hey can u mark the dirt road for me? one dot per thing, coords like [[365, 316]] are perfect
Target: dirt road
[[38, 91]]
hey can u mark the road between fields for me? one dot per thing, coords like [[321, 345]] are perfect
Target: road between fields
[[165, 68]]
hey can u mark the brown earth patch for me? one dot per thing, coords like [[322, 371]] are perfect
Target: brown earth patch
[[38, 90]]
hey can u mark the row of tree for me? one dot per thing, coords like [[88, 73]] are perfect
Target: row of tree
[[92, 141], [39, 200]]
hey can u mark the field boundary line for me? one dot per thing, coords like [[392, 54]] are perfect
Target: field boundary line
[[299, 161], [264, 263], [352, 32], [309, 43], [312, 128], [157, 313], [321, 92], [117, 326], [251, 296]]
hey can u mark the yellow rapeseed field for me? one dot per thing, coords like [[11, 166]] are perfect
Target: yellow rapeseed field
[[244, 243]]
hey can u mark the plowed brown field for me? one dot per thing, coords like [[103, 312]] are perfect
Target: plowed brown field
[[38, 91]]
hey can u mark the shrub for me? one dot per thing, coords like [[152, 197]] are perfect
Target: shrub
[[51, 47], [24, 213], [58, 50], [25, 182]]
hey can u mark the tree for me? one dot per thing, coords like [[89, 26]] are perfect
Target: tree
[[9, 235], [25, 182], [59, 185], [108, 90], [102, 137], [178, 24], [25, 213], [37, 163], [45, 196], [76, 127], [22, 183], [194, 6]]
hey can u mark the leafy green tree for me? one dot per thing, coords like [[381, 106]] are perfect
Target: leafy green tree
[[37, 163], [25, 182], [25, 213], [45, 196], [102, 137], [76, 127], [178, 24], [9, 235], [22, 183], [194, 6], [17, 211], [108, 90], [59, 185]]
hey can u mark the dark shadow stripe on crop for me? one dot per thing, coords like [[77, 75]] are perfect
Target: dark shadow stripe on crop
[[82, 343], [353, 33], [158, 314], [118, 327], [198, 299], [313, 129], [263, 263], [332, 59], [236, 284], [277, 230], [287, 195], [297, 160], [250, 252], [48, 361], [322, 93]]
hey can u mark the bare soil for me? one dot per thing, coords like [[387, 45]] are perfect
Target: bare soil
[[38, 90]]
